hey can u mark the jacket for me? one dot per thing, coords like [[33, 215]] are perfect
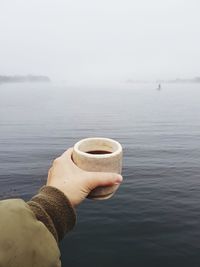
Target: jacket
[[30, 232]]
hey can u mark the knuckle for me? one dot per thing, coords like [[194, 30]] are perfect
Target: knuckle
[[56, 161]]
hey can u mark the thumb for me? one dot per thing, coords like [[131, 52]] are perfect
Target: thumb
[[104, 179]]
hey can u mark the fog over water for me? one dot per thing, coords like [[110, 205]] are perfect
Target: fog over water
[[89, 42]]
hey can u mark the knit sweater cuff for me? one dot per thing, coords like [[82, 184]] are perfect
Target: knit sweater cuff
[[53, 208]]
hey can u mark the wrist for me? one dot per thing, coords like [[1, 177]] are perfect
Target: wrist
[[55, 204]]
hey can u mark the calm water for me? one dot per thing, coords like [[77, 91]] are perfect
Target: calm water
[[154, 219]]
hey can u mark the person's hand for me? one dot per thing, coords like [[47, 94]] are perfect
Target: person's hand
[[74, 182]]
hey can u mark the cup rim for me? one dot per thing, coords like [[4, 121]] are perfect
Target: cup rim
[[118, 151]]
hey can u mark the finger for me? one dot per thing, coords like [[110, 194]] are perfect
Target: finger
[[103, 179], [67, 156], [68, 153]]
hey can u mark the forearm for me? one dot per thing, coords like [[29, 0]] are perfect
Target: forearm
[[52, 208]]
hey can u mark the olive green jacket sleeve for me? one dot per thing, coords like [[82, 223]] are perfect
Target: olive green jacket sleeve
[[29, 232]]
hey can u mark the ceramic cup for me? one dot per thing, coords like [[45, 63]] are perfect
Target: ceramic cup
[[99, 155]]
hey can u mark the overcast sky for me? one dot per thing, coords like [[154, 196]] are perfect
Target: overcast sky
[[96, 40]]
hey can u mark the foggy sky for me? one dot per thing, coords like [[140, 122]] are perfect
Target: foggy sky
[[92, 40]]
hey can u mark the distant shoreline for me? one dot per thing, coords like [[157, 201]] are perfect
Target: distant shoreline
[[193, 80], [23, 78]]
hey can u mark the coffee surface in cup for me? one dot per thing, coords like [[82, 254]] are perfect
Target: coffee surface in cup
[[97, 152]]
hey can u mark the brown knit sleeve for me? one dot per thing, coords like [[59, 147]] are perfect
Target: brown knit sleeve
[[53, 208]]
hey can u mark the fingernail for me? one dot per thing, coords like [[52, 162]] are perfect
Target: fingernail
[[119, 179]]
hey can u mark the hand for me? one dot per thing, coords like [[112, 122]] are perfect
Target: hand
[[74, 182]]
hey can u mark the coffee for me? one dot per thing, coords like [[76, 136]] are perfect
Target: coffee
[[98, 152]]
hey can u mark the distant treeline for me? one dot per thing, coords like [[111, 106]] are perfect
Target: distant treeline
[[21, 78]]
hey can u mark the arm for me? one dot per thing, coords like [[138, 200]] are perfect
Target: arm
[[30, 231]]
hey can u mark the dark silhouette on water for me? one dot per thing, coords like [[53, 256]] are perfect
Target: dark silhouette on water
[[159, 87]]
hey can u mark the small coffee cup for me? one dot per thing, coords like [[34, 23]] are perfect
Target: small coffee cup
[[99, 155]]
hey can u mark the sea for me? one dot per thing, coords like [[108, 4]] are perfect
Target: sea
[[154, 218]]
